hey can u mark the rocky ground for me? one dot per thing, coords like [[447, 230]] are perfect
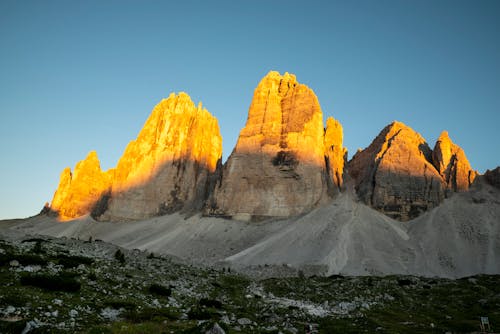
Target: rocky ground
[[61, 285]]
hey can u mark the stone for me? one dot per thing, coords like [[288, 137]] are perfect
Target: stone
[[244, 321], [170, 167], [452, 164], [395, 174], [493, 177], [78, 192], [216, 329], [335, 153], [277, 168]]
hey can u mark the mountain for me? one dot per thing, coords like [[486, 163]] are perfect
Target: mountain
[[278, 168], [80, 191], [395, 174], [169, 167], [452, 164]]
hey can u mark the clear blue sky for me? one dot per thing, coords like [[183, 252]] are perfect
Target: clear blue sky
[[77, 76]]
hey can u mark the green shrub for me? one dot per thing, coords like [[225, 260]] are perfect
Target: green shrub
[[160, 290], [13, 327], [119, 256], [27, 259], [210, 303], [61, 282], [198, 313], [73, 261]]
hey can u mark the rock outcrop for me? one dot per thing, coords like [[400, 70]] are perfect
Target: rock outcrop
[[169, 167], [395, 174], [335, 153], [78, 192], [452, 164], [493, 177], [277, 168]]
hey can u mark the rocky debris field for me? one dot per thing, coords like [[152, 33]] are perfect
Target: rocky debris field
[[52, 285]]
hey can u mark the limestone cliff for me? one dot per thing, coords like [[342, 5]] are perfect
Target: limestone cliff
[[493, 177], [395, 174], [452, 164], [335, 153], [278, 165], [170, 166], [78, 192]]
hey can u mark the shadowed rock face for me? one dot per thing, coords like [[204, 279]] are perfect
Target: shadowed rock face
[[78, 192], [171, 166], [452, 164], [278, 165], [395, 174], [493, 177]]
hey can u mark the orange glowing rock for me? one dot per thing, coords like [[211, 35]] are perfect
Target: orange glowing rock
[[170, 166], [79, 191], [335, 153], [451, 162], [278, 165]]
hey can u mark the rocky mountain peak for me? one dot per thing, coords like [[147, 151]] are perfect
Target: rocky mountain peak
[[395, 174], [170, 166], [452, 164], [278, 165], [79, 191], [335, 153]]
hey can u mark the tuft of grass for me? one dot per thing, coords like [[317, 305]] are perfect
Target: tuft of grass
[[150, 314], [61, 282], [118, 304]]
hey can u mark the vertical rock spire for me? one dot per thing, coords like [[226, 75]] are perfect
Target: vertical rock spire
[[78, 192], [278, 165], [452, 164]]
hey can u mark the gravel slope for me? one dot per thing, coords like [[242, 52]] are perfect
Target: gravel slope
[[459, 238]]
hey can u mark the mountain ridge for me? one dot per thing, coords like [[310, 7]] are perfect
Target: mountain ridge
[[286, 162]]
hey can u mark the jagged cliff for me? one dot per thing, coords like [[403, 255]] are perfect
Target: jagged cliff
[[285, 163], [452, 164], [335, 153], [395, 174], [169, 167], [78, 192], [278, 165], [399, 175]]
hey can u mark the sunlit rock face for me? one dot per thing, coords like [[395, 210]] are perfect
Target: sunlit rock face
[[452, 164], [395, 174], [78, 192], [278, 165], [169, 167], [335, 153]]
